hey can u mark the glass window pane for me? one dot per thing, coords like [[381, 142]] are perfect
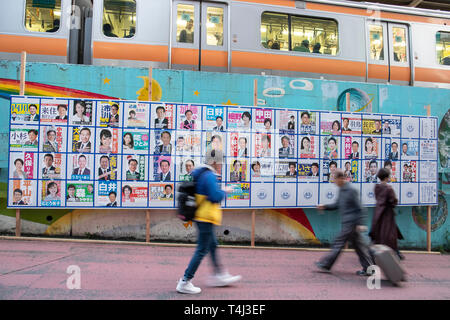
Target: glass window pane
[[42, 15], [443, 48], [185, 23], [376, 42], [214, 26], [119, 18], [275, 31], [314, 35], [399, 44]]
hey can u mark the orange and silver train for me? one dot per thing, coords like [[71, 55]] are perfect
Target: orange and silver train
[[333, 39]]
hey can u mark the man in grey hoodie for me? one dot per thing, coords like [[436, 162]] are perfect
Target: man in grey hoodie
[[352, 224]]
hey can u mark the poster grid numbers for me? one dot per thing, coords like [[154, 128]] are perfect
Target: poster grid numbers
[[88, 153]]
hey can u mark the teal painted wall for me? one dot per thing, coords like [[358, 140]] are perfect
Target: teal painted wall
[[222, 88]]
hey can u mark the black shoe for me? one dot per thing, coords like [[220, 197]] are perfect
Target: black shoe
[[400, 256], [362, 273], [322, 267]]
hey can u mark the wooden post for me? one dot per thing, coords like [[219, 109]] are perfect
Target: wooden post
[[428, 107], [150, 77], [252, 241], [17, 222], [255, 92], [147, 226]]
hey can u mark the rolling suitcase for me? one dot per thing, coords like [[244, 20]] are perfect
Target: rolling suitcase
[[389, 263]]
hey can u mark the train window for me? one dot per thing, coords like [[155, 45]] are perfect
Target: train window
[[42, 15], [214, 26], [314, 35], [185, 23], [275, 31], [443, 48], [119, 18], [399, 44], [376, 42]]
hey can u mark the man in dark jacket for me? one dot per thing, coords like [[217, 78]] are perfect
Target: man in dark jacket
[[352, 224]]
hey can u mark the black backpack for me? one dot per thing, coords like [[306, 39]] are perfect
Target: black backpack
[[186, 203]]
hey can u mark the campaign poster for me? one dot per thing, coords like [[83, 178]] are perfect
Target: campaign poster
[[428, 149], [391, 149], [351, 170], [262, 170], [262, 144], [80, 166], [371, 148], [189, 117], [351, 124], [309, 146], [286, 121], [161, 194], [135, 141], [53, 138], [107, 167], [81, 112], [136, 114], [286, 145], [82, 139], [240, 191], [214, 118], [188, 142], [163, 142], [410, 150], [428, 171], [370, 170], [239, 119], [109, 113], [391, 126], [185, 166], [308, 170], [162, 115], [52, 165], [163, 168], [329, 170], [22, 193], [371, 125], [134, 194], [286, 171], [394, 168], [263, 120], [51, 193], [428, 193], [239, 144], [79, 194], [25, 110], [308, 124], [331, 147], [21, 137], [108, 194], [109, 140], [216, 142], [23, 165], [54, 111], [238, 169], [410, 127], [330, 123], [409, 171], [135, 167], [428, 128], [351, 147]]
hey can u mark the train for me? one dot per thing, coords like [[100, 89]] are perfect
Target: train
[[335, 40]]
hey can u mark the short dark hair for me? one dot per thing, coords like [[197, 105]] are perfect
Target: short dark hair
[[18, 160], [356, 142], [394, 143], [89, 130], [131, 111], [49, 155], [188, 111], [315, 164], [383, 174], [246, 114], [168, 185], [160, 107], [373, 161], [62, 106], [303, 113], [34, 131], [18, 190], [219, 117], [112, 192], [332, 162], [255, 163], [51, 130], [129, 161], [70, 186], [104, 156], [32, 105], [82, 155], [164, 161], [167, 133], [105, 133]]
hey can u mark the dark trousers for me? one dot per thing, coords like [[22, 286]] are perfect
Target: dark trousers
[[348, 233], [206, 243]]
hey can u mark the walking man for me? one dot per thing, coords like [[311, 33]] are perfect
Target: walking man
[[208, 197], [352, 224]]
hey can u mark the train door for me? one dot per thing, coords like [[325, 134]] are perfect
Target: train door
[[199, 36], [388, 53]]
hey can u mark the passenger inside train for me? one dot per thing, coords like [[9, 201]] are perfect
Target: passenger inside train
[[55, 26], [107, 31], [187, 34], [304, 47]]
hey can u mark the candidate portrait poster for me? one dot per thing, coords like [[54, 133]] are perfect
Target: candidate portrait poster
[[107, 194], [214, 118], [25, 110], [54, 111], [135, 141], [23, 165], [22, 193], [53, 138], [351, 124], [189, 117], [79, 194], [263, 120], [134, 194], [162, 115], [81, 112], [308, 124], [109, 113], [136, 115], [24, 138]]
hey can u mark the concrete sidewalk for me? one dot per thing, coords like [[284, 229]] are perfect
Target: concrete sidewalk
[[38, 270]]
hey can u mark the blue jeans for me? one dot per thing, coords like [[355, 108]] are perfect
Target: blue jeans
[[206, 242]]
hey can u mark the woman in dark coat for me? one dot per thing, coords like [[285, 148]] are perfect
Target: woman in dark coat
[[384, 229]]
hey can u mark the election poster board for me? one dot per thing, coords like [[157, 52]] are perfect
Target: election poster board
[[89, 153]]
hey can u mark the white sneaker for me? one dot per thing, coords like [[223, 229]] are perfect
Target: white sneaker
[[222, 279], [187, 287]]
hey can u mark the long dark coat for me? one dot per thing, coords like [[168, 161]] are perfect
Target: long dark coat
[[384, 229]]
